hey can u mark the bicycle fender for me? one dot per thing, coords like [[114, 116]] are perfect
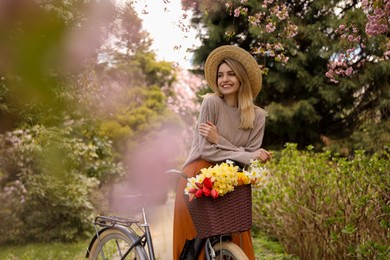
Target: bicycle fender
[[123, 229]]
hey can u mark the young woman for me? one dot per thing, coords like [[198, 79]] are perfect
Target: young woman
[[229, 126]]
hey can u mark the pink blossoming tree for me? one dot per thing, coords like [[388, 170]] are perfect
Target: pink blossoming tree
[[325, 63]]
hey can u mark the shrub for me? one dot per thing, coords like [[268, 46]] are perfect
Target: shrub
[[48, 179], [322, 206]]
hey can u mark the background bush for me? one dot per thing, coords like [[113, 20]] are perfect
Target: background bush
[[48, 181], [322, 206]]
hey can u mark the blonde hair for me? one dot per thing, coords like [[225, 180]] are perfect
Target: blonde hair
[[245, 96]]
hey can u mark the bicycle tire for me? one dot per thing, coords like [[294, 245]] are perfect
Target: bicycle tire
[[114, 244], [229, 251]]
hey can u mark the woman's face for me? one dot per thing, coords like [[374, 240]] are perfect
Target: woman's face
[[227, 81]]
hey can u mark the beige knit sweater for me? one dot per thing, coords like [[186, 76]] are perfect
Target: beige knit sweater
[[234, 143]]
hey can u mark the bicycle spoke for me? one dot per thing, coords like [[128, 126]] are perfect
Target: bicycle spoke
[[118, 247]]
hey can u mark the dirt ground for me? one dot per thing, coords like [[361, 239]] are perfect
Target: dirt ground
[[160, 219]]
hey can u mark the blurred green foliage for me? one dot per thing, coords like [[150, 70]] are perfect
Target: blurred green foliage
[[49, 179], [79, 88]]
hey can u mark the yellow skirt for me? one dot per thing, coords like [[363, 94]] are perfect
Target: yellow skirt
[[183, 228]]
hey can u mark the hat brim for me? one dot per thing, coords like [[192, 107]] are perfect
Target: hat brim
[[219, 54]]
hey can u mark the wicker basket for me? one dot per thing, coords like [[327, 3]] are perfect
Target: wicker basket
[[224, 215]]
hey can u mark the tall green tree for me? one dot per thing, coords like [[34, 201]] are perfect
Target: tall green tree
[[128, 83], [297, 43]]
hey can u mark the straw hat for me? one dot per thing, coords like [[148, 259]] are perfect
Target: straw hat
[[233, 52]]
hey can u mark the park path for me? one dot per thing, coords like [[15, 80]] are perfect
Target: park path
[[161, 224]]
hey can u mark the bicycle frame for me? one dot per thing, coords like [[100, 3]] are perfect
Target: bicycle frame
[[148, 235], [139, 241], [209, 251], [210, 241]]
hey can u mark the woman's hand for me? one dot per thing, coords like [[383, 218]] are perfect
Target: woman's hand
[[209, 131], [262, 154]]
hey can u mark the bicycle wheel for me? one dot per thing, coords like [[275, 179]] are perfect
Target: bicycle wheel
[[114, 244], [229, 251]]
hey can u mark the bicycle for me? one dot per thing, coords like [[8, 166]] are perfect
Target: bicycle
[[124, 238]]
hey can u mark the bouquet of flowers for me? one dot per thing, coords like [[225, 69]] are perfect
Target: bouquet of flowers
[[220, 179]]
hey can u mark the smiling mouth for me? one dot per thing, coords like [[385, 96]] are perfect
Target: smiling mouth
[[226, 86]]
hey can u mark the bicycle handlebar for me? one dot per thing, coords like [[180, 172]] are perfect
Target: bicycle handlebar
[[177, 172]]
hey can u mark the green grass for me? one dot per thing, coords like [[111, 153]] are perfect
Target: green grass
[[268, 249], [265, 249], [50, 251]]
